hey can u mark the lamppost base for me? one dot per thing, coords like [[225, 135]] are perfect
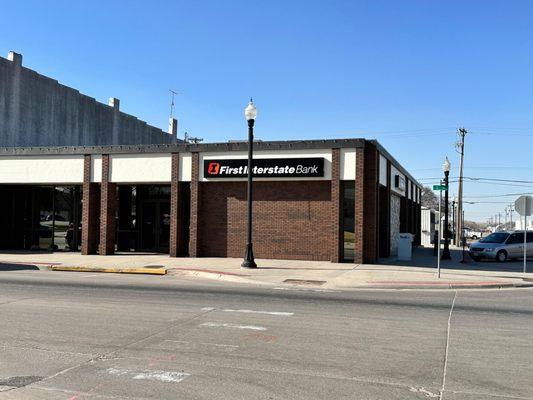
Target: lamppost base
[[446, 253], [249, 262]]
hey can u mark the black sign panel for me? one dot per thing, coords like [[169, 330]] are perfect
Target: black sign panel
[[265, 168]]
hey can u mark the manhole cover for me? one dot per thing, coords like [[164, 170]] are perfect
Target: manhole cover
[[19, 381], [304, 282]]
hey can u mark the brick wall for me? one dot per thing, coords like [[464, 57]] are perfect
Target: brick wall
[[108, 207], [90, 210], [194, 207], [175, 213], [336, 211], [292, 219], [359, 204], [370, 204]]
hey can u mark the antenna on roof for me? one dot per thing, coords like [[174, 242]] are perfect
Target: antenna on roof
[[172, 94]]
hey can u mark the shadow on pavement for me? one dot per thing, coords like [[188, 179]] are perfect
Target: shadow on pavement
[[423, 258], [17, 267]]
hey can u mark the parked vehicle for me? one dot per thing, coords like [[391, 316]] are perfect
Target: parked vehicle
[[471, 234], [502, 246]]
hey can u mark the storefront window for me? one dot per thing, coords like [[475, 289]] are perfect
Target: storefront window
[[67, 215], [348, 220], [58, 214], [43, 196], [127, 236]]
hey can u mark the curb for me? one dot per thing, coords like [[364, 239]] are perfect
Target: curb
[[450, 286], [216, 276], [146, 271]]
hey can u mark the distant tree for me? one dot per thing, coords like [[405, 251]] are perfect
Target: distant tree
[[429, 198]]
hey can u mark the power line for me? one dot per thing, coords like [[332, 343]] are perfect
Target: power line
[[498, 195]]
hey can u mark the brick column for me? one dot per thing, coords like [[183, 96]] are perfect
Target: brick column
[[370, 204], [389, 188], [90, 208], [359, 203], [108, 208], [195, 199], [336, 202], [176, 238]]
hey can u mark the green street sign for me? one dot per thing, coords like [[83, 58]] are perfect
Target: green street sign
[[440, 187]]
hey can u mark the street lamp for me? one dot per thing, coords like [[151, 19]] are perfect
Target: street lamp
[[454, 202], [446, 251], [250, 112]]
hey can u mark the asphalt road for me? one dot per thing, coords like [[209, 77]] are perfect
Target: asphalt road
[[99, 336]]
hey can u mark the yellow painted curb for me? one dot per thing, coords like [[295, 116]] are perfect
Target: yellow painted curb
[[148, 271]]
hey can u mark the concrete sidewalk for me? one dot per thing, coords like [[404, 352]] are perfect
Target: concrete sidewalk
[[421, 274]]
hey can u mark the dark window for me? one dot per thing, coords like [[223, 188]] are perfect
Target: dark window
[[348, 220], [529, 237], [498, 237], [516, 238]]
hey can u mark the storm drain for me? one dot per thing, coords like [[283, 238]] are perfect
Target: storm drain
[[304, 282], [18, 382]]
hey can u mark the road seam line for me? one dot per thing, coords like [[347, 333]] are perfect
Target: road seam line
[[447, 346]]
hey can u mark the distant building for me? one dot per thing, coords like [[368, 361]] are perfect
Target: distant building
[[37, 111], [519, 224], [429, 224]]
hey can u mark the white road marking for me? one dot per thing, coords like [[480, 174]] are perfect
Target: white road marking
[[306, 290], [162, 376], [425, 392], [226, 325], [202, 343], [281, 313], [93, 275]]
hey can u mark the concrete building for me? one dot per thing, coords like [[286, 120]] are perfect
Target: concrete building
[[63, 186], [338, 200], [38, 111]]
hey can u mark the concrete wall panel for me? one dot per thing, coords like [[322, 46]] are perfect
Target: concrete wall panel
[[347, 164], [382, 170], [138, 168], [42, 169]]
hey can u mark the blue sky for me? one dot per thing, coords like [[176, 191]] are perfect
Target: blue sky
[[408, 73]]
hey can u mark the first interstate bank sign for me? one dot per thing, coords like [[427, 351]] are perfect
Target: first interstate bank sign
[[265, 168]]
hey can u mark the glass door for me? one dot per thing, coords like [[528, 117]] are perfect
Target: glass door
[[163, 245], [155, 226]]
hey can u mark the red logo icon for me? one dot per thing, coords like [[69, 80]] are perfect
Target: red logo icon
[[213, 168]]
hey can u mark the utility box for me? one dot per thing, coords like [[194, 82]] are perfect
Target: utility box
[[405, 246]]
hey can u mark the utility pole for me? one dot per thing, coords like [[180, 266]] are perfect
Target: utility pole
[[505, 217], [461, 150], [511, 209]]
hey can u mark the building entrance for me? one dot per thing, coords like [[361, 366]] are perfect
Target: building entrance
[[155, 226], [143, 218]]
